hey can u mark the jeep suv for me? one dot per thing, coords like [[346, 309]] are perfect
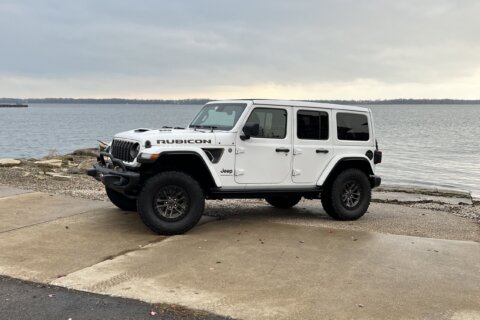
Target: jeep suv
[[277, 150]]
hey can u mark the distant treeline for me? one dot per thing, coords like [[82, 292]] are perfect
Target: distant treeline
[[103, 101], [203, 101]]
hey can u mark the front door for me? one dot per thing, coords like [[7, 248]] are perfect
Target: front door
[[312, 144], [266, 158]]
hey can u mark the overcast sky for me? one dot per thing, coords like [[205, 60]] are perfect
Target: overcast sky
[[339, 49]]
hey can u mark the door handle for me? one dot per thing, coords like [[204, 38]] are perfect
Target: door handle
[[282, 150], [322, 151]]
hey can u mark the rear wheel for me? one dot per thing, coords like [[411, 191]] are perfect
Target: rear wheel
[[283, 201], [348, 197], [171, 203], [326, 202], [121, 201]]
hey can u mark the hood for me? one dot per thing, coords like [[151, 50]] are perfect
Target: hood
[[168, 136]]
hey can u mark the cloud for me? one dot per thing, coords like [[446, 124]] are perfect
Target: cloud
[[229, 48]]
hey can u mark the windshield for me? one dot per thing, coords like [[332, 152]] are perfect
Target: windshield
[[222, 116]]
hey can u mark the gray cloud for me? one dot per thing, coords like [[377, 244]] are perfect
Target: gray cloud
[[139, 46]]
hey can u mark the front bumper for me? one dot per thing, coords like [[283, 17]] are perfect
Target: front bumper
[[118, 179], [375, 181]]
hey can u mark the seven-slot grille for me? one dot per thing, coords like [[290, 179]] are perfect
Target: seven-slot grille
[[121, 150]]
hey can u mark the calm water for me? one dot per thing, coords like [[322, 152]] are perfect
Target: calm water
[[422, 145]]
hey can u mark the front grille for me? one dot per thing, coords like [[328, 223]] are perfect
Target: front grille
[[121, 150]]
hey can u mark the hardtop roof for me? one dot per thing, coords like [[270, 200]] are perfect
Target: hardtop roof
[[296, 103]]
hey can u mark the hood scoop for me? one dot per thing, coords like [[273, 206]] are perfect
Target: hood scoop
[[141, 130]]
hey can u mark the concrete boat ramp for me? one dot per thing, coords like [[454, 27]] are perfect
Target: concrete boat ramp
[[259, 264]]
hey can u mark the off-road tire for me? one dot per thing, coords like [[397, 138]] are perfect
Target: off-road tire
[[326, 200], [151, 202], [336, 200], [283, 201], [121, 201]]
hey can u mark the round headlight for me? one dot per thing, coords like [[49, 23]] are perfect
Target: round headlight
[[134, 150]]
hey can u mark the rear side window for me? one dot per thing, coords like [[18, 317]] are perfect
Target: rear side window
[[312, 125], [352, 126], [272, 122]]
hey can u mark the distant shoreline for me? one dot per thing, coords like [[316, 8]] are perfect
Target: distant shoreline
[[13, 105], [203, 101]]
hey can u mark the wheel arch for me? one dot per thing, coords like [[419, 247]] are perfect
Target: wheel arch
[[335, 167], [189, 161]]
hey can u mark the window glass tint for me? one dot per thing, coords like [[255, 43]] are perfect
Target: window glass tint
[[312, 125], [272, 122], [352, 126]]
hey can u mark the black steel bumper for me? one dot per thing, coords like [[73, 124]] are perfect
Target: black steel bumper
[[118, 179], [375, 181]]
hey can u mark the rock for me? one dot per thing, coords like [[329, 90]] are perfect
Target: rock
[[475, 198], [52, 163], [74, 171], [102, 145], [58, 176], [9, 162], [68, 158], [85, 165], [89, 152]]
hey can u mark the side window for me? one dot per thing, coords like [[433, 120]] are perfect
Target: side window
[[312, 125], [352, 126], [272, 122]]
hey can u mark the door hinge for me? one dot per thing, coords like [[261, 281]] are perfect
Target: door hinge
[[297, 151], [296, 172], [239, 172]]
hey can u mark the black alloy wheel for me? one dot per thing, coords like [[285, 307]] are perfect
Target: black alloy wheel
[[351, 194], [171, 203]]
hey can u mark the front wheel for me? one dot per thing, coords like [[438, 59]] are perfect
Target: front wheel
[[121, 201], [171, 203], [348, 196]]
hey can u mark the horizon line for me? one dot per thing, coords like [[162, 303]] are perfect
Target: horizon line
[[205, 100]]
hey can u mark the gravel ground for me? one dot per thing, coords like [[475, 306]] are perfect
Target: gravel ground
[[30, 176]]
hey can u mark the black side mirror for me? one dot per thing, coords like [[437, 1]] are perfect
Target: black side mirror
[[250, 130]]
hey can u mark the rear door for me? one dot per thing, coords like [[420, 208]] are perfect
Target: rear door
[[312, 143]]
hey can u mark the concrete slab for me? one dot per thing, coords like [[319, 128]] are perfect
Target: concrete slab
[[254, 269], [381, 217], [6, 191], [50, 250], [33, 208]]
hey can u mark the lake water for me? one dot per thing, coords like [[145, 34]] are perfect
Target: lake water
[[424, 145]]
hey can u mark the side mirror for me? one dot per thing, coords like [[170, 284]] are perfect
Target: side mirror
[[250, 130]]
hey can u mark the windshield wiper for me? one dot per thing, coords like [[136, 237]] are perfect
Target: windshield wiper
[[199, 126], [194, 126], [211, 128]]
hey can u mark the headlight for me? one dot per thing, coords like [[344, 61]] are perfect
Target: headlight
[[134, 150]]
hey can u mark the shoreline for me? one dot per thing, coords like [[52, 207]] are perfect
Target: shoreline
[[65, 174]]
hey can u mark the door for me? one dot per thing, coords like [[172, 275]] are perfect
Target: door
[[265, 158], [312, 144]]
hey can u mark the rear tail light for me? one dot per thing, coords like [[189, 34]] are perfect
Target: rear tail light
[[377, 157]]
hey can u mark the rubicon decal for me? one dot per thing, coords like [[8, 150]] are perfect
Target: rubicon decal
[[184, 141]]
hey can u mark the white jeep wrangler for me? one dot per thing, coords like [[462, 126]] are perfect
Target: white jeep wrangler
[[277, 150]]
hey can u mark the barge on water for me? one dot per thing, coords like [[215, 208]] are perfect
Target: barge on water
[[13, 105]]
